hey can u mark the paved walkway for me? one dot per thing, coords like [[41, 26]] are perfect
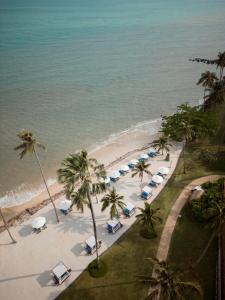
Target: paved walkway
[[169, 227], [25, 267]]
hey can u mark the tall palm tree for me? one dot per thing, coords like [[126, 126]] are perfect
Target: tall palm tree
[[78, 169], [220, 62], [6, 226], [161, 144], [168, 283], [115, 202], [207, 80], [216, 94], [148, 216], [29, 145], [141, 168]]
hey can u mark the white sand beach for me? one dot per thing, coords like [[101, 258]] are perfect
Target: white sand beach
[[25, 267]]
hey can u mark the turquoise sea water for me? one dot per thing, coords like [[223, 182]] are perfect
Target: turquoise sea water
[[75, 72]]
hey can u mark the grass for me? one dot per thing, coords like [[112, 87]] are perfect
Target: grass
[[189, 238], [97, 271]]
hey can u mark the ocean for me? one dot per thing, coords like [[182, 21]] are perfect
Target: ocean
[[78, 72]]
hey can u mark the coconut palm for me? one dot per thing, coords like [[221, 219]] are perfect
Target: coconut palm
[[220, 62], [148, 216], [99, 186], [115, 202], [6, 226], [29, 145], [168, 283], [78, 169], [139, 169], [207, 80], [216, 222], [161, 144], [216, 94]]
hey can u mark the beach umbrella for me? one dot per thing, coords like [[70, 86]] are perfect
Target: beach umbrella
[[144, 156], [157, 179], [152, 150], [65, 204], [163, 170], [124, 168], [38, 222], [133, 162], [91, 242], [147, 189], [105, 180], [115, 174]]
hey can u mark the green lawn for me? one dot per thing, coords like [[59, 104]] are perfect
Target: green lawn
[[125, 258], [189, 238]]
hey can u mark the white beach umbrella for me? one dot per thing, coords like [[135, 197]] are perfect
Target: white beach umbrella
[[124, 168], [105, 180], [163, 170], [147, 189], [65, 204], [115, 174], [157, 179], [134, 162], [144, 156], [38, 222], [129, 206], [90, 241], [152, 150]]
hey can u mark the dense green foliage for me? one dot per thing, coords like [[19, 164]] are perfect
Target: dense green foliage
[[205, 207]]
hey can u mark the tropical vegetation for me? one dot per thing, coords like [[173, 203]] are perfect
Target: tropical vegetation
[[78, 170], [162, 144], [28, 146], [140, 169], [115, 202]]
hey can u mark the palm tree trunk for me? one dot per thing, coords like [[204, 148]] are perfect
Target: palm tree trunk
[[6, 226], [204, 99], [42, 174], [183, 154], [205, 249], [96, 198], [141, 183], [94, 226]]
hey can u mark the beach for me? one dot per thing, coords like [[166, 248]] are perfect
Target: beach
[[110, 153], [24, 278]]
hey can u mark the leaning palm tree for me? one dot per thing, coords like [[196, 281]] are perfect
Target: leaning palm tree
[[141, 168], [148, 217], [6, 225], [217, 223], [29, 145], [167, 283], [115, 202], [161, 144], [207, 80], [78, 169]]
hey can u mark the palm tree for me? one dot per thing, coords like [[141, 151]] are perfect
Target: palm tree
[[207, 80], [29, 144], [141, 168], [220, 62], [115, 202], [216, 94], [161, 144], [148, 216], [6, 226], [79, 169], [99, 186], [168, 283], [216, 222]]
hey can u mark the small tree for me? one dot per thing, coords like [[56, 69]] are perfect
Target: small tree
[[29, 145], [207, 80], [148, 217], [141, 168], [161, 144], [115, 202]]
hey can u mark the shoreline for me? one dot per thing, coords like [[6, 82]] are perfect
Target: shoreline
[[125, 144]]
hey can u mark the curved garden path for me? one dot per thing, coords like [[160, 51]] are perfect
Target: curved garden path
[[169, 227]]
